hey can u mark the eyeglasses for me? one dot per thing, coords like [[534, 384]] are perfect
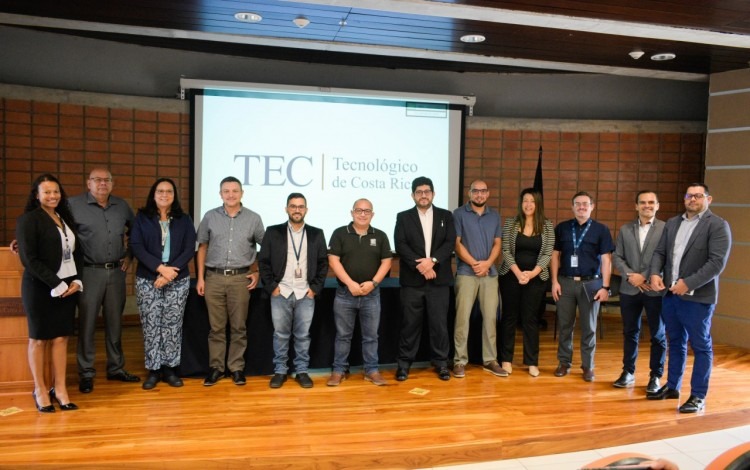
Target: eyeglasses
[[101, 180], [479, 191], [296, 208], [425, 192], [164, 191], [359, 211], [696, 196]]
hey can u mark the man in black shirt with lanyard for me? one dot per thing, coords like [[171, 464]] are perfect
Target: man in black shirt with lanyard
[[583, 252]]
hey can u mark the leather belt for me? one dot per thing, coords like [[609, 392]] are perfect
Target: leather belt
[[112, 265], [228, 272], [583, 278]]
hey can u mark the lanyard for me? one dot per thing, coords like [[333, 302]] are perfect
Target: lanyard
[[576, 242], [164, 226], [294, 247]]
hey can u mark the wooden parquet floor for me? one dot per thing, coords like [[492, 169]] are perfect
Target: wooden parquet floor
[[358, 425]]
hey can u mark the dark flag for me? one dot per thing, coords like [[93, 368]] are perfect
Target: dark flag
[[538, 177]]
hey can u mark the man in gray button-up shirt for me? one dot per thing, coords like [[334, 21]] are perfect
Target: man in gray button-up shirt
[[102, 223], [227, 245]]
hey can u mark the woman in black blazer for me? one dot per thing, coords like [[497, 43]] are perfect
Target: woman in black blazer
[[53, 262]]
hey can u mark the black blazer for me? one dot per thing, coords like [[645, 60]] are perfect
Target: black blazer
[[40, 249], [410, 246], [273, 251]]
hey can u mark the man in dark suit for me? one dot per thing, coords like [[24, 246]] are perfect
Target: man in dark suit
[[632, 257], [425, 237], [691, 254]]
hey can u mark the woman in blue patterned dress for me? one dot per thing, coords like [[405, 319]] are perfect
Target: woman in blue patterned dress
[[163, 241]]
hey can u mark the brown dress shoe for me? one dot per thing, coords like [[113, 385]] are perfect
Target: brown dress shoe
[[336, 379], [588, 375], [375, 378]]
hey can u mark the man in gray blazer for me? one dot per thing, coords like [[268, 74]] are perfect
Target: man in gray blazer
[[692, 252], [632, 257]]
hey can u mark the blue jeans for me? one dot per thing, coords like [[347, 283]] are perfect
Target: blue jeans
[[291, 316], [345, 309], [685, 320]]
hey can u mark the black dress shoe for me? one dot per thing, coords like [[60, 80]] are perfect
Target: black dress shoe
[[70, 406], [653, 384], [153, 378], [562, 370], [443, 373], [304, 380], [277, 380], [86, 385], [402, 374], [693, 405], [588, 375], [213, 376], [170, 377], [42, 409], [625, 379], [238, 377], [664, 393], [123, 376]]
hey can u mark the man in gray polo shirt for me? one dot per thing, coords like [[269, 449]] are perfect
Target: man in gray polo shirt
[[102, 222], [478, 233], [227, 239]]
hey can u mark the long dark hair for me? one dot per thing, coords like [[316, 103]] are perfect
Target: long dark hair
[[32, 203], [539, 217], [150, 208]]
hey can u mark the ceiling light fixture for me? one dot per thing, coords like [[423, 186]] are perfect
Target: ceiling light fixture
[[301, 21], [636, 54], [473, 38], [248, 17], [663, 56]]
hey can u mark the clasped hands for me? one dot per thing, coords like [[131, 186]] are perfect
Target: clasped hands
[[167, 274], [679, 287], [360, 289], [639, 281], [425, 267]]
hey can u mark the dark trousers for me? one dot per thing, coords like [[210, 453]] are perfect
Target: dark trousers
[[418, 303], [631, 307], [524, 301]]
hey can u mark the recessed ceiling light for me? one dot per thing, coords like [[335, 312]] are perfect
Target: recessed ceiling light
[[473, 38], [663, 56], [248, 17]]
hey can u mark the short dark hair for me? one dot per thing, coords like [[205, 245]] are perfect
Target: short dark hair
[[583, 193], [230, 179], [646, 191], [295, 196], [421, 181], [703, 185]]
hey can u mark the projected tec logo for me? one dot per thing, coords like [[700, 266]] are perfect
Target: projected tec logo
[[276, 170]]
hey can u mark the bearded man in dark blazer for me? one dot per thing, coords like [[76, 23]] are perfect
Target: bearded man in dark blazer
[[425, 238], [691, 254]]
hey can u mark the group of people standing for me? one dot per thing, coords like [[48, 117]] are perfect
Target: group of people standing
[[76, 253]]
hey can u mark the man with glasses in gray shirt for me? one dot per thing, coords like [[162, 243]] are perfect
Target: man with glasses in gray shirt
[[102, 223]]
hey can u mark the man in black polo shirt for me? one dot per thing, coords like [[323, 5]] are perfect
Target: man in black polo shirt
[[360, 256], [583, 252]]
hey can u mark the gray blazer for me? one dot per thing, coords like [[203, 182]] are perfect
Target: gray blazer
[[629, 257], [705, 256]]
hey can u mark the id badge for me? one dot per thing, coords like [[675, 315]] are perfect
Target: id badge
[[573, 261], [67, 254], [298, 273]]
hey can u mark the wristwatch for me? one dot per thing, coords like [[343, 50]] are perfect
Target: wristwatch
[[375, 283], [609, 292], [434, 260]]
